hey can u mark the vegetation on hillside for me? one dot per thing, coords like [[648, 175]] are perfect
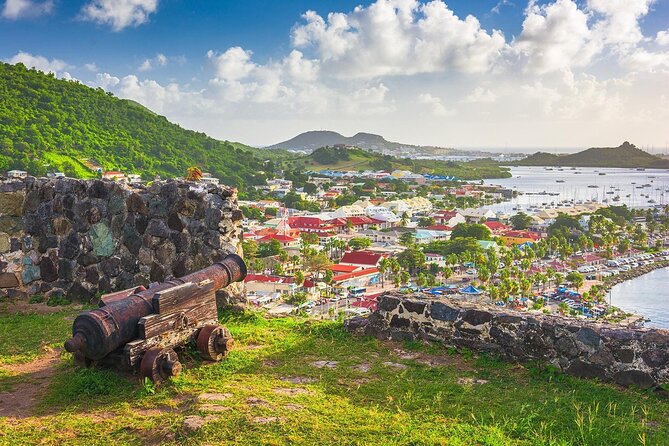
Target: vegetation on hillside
[[626, 155], [344, 158], [53, 124], [270, 390]]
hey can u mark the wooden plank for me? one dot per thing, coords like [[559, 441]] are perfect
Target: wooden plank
[[135, 350], [193, 310], [112, 297], [174, 298]]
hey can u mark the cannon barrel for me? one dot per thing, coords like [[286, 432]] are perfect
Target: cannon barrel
[[96, 333]]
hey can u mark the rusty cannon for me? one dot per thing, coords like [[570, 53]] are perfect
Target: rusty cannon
[[139, 329]]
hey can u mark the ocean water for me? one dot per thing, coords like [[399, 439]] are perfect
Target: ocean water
[[626, 184], [645, 295]]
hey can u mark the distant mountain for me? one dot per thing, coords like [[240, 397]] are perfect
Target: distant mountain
[[320, 138], [626, 156]]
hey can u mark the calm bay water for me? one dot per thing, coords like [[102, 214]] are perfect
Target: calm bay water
[[645, 295], [625, 184]]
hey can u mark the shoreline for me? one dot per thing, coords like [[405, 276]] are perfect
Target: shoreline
[[612, 281]]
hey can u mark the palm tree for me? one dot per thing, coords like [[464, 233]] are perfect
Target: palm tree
[[383, 267]]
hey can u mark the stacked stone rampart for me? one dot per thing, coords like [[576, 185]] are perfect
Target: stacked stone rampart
[[609, 352], [76, 238]]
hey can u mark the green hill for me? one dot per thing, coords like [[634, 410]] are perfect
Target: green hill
[[626, 155], [355, 159], [51, 124]]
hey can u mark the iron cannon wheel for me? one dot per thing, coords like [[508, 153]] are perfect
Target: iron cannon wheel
[[159, 364], [214, 342]]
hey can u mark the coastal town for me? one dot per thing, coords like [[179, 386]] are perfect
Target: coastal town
[[332, 245]]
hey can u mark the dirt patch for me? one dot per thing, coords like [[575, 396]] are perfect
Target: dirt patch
[[325, 364], [248, 347], [362, 368], [396, 365], [471, 381], [194, 423], [213, 396], [291, 391], [34, 379], [293, 407], [257, 402], [266, 420], [271, 363], [299, 379]]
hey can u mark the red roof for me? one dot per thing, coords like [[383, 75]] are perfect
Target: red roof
[[362, 272], [268, 279], [495, 225], [355, 221], [337, 268], [445, 214], [443, 228], [281, 238], [522, 234], [361, 258], [365, 303]]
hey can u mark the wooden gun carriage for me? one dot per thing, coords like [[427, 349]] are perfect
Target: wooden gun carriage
[[139, 329]]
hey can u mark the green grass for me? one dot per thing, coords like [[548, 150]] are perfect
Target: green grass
[[23, 338], [56, 160], [418, 405]]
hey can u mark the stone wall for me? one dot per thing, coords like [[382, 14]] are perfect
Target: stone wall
[[627, 356], [82, 238]]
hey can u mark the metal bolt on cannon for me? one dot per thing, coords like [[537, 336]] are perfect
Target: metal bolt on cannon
[[139, 328]]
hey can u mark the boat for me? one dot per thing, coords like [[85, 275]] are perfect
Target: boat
[[601, 173], [593, 186], [577, 173], [641, 169], [616, 198], [559, 181]]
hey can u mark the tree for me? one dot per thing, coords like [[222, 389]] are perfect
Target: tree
[[576, 279], [309, 238], [299, 278], [421, 280], [317, 262], [297, 299], [407, 239], [520, 221], [278, 269], [411, 259], [250, 248], [424, 222], [405, 277], [384, 265], [446, 272], [359, 243], [271, 248], [475, 231]]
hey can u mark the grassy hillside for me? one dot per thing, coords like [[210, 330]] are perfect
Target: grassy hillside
[[626, 155], [52, 124], [289, 381], [358, 159]]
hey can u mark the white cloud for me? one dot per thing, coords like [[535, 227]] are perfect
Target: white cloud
[[497, 8], [662, 37], [481, 95], [620, 22], [161, 59], [145, 66], [556, 36], [106, 81], [20, 9], [434, 105], [398, 37], [234, 64], [119, 14], [55, 66], [92, 67]]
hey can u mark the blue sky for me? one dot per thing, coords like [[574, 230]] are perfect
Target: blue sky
[[462, 73]]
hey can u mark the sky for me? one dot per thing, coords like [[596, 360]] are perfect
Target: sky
[[466, 74]]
